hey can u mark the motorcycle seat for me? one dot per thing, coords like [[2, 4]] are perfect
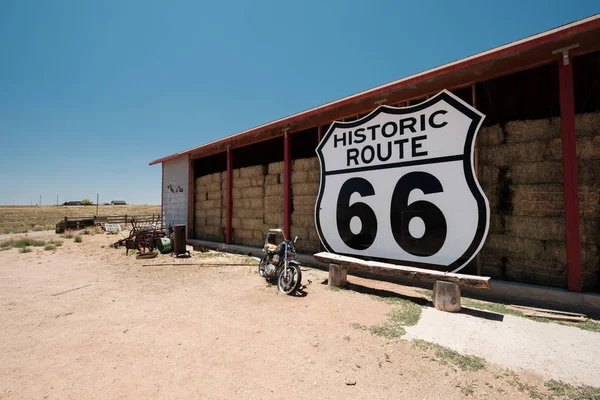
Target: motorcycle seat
[[271, 247]]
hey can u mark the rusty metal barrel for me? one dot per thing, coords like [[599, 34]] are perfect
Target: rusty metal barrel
[[179, 239]]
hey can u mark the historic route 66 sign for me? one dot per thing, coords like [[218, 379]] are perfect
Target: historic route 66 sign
[[399, 184]]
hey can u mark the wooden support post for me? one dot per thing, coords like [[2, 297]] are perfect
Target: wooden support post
[[446, 296], [338, 275], [571, 187], [229, 199], [287, 183], [191, 192], [162, 195]]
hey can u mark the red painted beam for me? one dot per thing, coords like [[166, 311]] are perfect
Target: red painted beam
[[229, 198], [191, 191], [571, 186], [287, 183]]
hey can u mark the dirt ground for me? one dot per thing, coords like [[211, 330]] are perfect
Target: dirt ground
[[84, 322]]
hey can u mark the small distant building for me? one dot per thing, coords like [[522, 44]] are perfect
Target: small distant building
[[72, 203], [118, 203]]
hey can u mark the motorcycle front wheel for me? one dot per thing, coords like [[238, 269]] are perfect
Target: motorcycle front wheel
[[289, 279]]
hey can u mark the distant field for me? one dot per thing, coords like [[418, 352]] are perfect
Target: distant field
[[21, 219]]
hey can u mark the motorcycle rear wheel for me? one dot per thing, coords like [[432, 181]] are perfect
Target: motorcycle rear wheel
[[289, 279], [262, 265]]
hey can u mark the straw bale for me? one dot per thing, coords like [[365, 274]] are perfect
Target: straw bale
[[551, 228], [519, 248], [301, 232], [303, 220], [199, 212], [273, 179], [236, 194], [273, 204], [274, 220], [236, 222], [214, 195], [488, 174], [213, 221], [510, 154], [253, 172], [304, 202], [246, 213], [299, 176], [224, 176], [253, 223], [223, 221], [305, 189], [213, 187], [210, 232], [242, 183], [260, 235], [216, 177], [530, 130], [490, 136], [314, 176], [588, 172], [275, 168], [305, 164], [203, 180], [198, 188], [307, 246], [541, 172], [588, 148], [274, 190], [589, 229], [538, 200], [253, 193], [589, 200], [213, 212], [256, 182], [587, 124]]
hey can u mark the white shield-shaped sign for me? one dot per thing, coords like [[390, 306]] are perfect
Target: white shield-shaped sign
[[399, 185]]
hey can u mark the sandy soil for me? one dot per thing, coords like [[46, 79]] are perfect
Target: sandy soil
[[89, 322]]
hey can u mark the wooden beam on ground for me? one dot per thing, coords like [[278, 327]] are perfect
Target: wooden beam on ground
[[399, 271]]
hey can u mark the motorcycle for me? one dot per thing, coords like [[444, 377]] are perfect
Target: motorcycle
[[278, 262]]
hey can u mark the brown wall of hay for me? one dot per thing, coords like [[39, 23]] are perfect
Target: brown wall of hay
[[209, 206], [306, 174], [520, 171]]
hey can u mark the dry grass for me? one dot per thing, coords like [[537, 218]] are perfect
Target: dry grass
[[21, 219]]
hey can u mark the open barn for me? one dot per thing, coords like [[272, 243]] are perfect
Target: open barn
[[537, 158]]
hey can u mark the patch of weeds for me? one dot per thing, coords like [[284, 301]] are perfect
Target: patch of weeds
[[250, 261], [112, 233], [405, 313], [524, 387], [25, 250], [67, 235], [583, 392], [356, 325], [103, 246], [447, 356], [467, 388], [347, 338], [208, 254], [55, 242], [334, 288], [78, 239], [425, 292], [49, 247], [21, 243]]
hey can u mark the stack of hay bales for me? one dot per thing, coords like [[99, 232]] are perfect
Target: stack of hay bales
[[520, 171], [208, 207], [306, 174], [588, 170], [248, 194], [273, 211]]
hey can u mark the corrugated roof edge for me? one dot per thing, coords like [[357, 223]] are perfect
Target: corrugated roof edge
[[501, 51]]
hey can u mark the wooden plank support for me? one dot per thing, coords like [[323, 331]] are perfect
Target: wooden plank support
[[287, 183], [446, 296], [398, 271], [229, 197], [338, 275], [571, 187]]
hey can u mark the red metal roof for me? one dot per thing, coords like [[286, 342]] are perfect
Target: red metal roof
[[513, 48]]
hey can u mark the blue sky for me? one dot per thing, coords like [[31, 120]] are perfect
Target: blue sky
[[91, 91]]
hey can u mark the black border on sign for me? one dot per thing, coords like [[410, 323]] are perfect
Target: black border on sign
[[467, 157]]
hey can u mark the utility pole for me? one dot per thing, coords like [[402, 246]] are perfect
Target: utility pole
[[57, 200], [97, 202], [40, 200]]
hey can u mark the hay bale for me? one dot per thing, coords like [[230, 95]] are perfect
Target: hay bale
[[314, 176], [589, 200], [303, 220], [274, 179], [488, 175], [255, 205], [253, 224], [305, 164], [307, 246], [589, 229], [300, 231], [213, 212], [257, 182], [273, 204], [536, 227], [546, 200], [511, 154], [541, 172], [199, 212], [213, 187], [253, 172], [274, 220], [242, 183], [588, 148], [313, 235], [274, 190], [243, 213], [236, 222], [305, 189], [588, 172], [490, 136], [556, 148], [587, 124], [275, 168], [299, 176], [213, 221], [531, 130], [253, 193], [214, 195]]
